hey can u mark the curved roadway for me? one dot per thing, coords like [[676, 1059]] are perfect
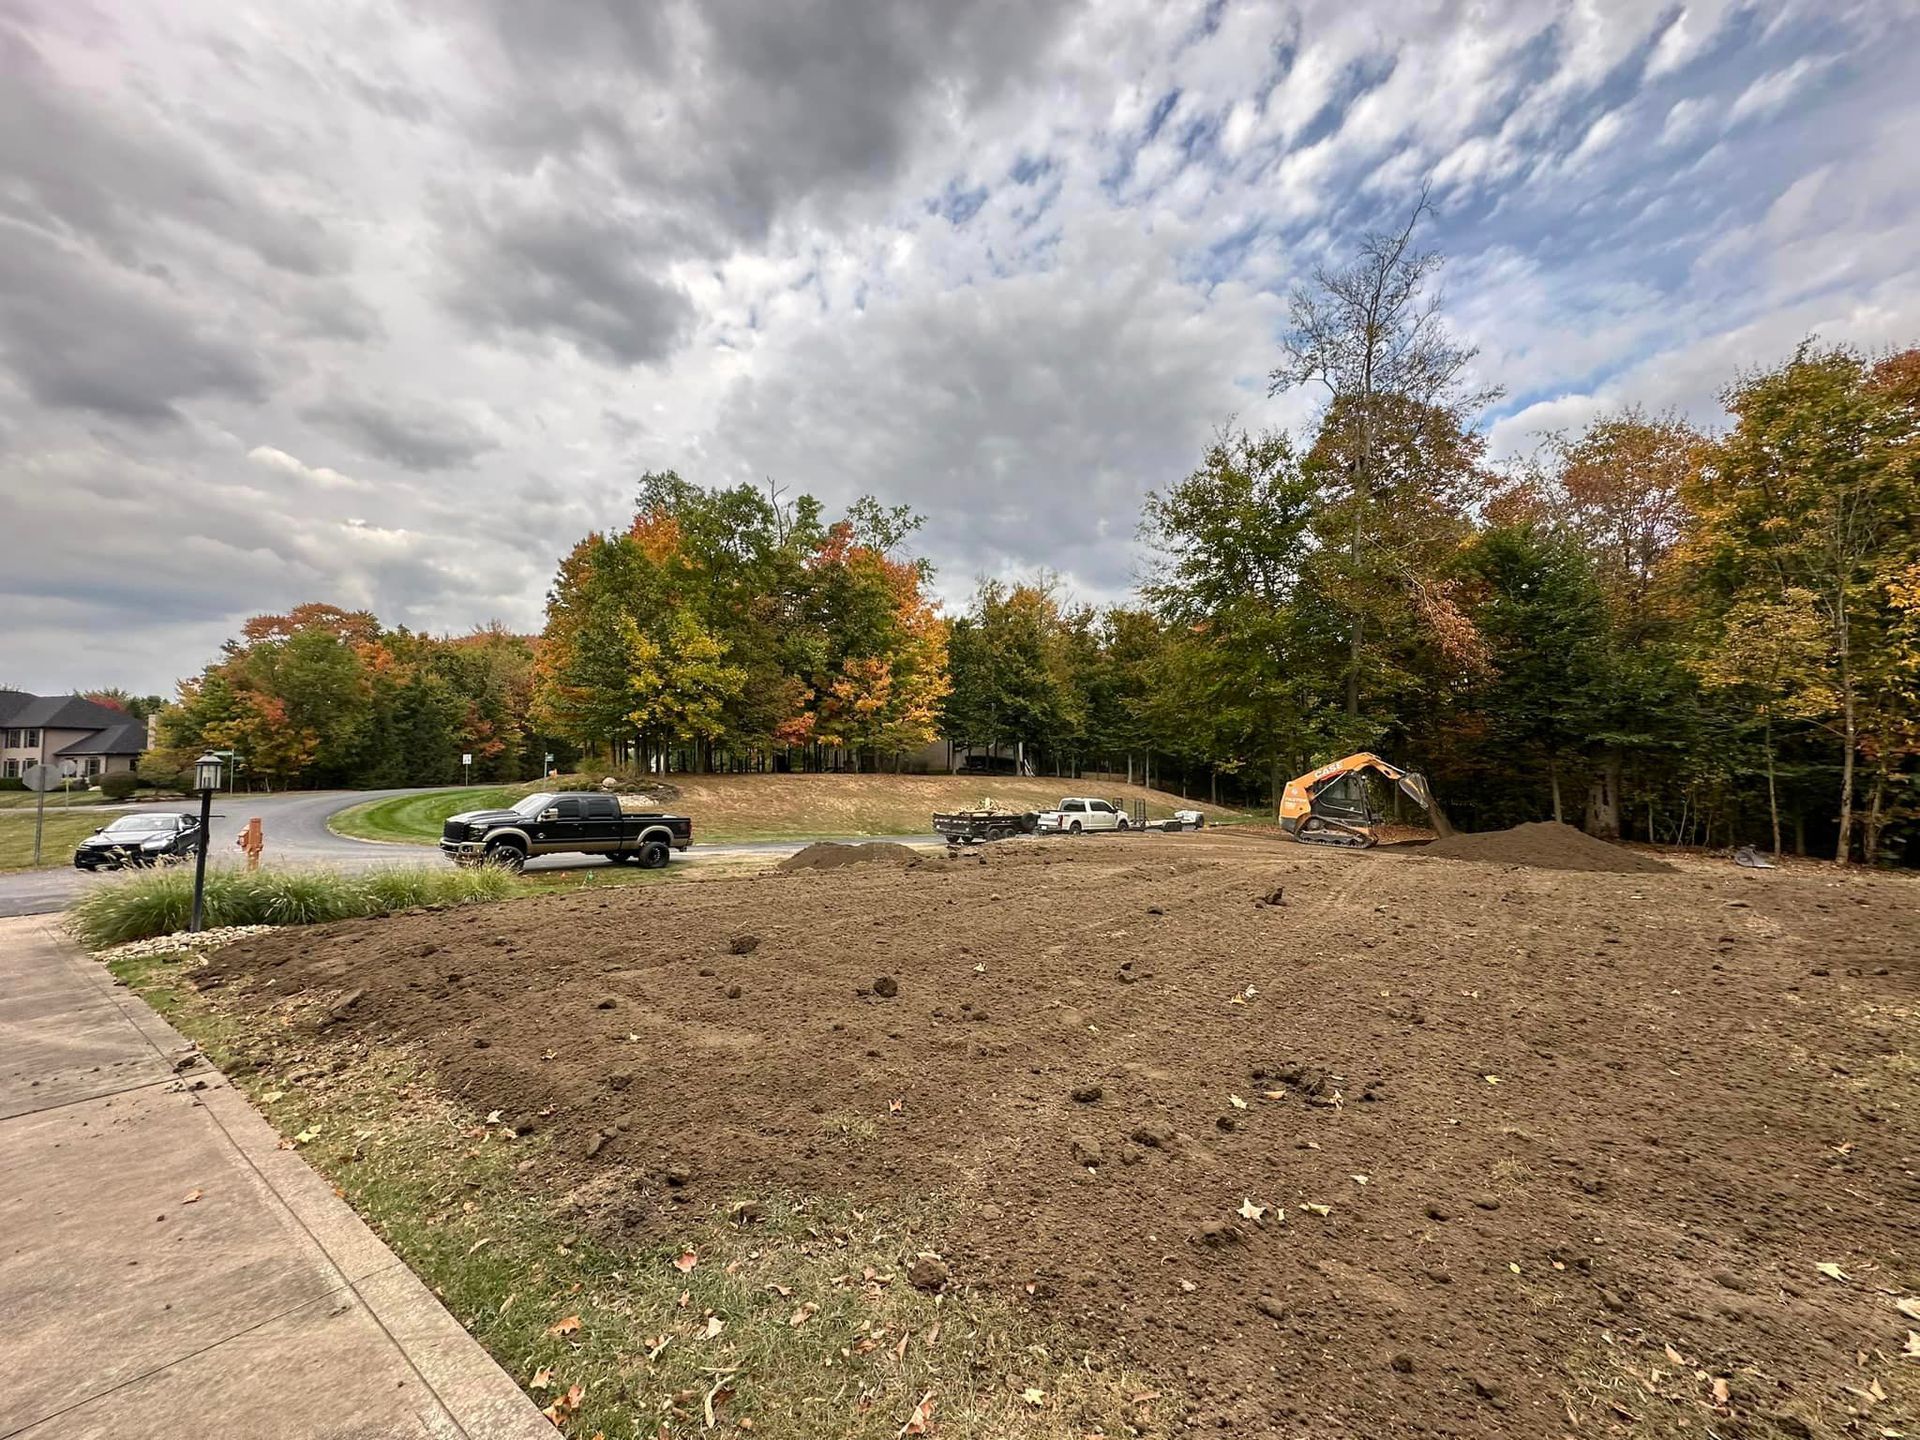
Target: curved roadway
[[295, 824]]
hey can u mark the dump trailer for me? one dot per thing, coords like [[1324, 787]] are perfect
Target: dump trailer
[[1329, 806]]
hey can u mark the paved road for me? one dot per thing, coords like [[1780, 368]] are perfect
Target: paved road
[[297, 833]]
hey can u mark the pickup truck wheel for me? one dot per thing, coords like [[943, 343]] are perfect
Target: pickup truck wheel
[[507, 857], [1074, 828], [1124, 824], [654, 854]]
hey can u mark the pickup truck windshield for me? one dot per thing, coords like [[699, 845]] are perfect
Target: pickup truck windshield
[[533, 805]]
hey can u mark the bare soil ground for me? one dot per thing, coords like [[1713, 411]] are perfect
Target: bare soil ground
[[1428, 1147]]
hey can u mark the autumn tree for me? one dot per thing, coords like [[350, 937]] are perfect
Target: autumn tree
[[1396, 446], [1816, 489]]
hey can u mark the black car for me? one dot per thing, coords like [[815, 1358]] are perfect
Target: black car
[[154, 838]]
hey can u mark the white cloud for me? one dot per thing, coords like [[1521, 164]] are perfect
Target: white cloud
[[320, 475], [1774, 89]]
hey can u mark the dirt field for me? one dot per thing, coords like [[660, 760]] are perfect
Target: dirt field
[[1558, 1153]]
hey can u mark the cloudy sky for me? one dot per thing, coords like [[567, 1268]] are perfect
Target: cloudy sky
[[386, 302]]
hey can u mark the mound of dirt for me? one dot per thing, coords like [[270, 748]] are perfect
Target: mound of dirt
[[1547, 845], [831, 855]]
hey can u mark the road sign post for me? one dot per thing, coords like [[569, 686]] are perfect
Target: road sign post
[[40, 779], [466, 764]]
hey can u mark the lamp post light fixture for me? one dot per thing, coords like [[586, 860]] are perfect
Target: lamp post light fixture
[[206, 779]]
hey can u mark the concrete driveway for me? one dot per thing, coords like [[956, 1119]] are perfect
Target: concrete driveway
[[296, 831]]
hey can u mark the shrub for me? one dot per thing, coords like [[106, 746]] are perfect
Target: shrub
[[12, 782], [120, 785], [147, 903]]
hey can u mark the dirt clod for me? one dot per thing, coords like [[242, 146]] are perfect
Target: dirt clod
[[928, 1272], [743, 944], [1086, 1152], [1087, 1094], [886, 987]]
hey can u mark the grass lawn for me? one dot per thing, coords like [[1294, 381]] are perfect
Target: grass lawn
[[24, 799], [416, 819], [781, 807], [64, 831], [760, 1315]]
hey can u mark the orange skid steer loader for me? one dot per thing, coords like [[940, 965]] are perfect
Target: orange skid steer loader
[[1329, 806]]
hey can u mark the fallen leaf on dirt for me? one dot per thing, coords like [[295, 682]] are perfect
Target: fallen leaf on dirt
[[921, 1417], [1236, 1102], [273, 1095], [932, 1335], [1912, 1352], [1720, 1392], [805, 1313], [1877, 1390], [660, 1343], [542, 1378], [685, 1261], [307, 1137], [1513, 1267], [1675, 1356], [1274, 1094], [1188, 1286], [714, 1326], [1360, 1179], [1832, 1271], [192, 1195], [1491, 1079], [1320, 1209], [900, 1350], [894, 1107], [1250, 1211], [1908, 1307], [783, 1291], [568, 1326], [493, 1117], [480, 1244], [1033, 1395]]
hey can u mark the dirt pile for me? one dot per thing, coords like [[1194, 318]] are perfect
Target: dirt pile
[[1547, 845], [832, 854], [1483, 1152]]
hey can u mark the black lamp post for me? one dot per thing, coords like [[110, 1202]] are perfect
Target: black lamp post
[[206, 779]]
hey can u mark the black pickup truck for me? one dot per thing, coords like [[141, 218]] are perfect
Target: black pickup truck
[[583, 823]]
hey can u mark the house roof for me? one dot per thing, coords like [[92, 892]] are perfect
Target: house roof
[[20, 710], [127, 738]]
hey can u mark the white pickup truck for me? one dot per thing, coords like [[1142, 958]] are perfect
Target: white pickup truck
[[1077, 813]]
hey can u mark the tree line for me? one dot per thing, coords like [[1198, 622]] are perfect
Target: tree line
[[1645, 628]]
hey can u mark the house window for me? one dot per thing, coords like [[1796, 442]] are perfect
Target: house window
[[93, 765], [33, 740], [9, 769], [9, 739]]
